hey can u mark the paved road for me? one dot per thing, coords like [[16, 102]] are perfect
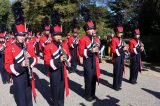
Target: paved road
[[145, 93]]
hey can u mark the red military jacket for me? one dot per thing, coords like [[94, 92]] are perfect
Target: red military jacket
[[52, 55], [34, 40], [134, 45], [40, 42], [43, 41], [134, 48], [31, 42], [14, 55], [66, 40], [116, 45], [71, 40], [85, 44], [9, 42]]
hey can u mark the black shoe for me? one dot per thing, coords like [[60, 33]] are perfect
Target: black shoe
[[90, 99], [4, 82], [94, 97], [117, 89], [133, 82]]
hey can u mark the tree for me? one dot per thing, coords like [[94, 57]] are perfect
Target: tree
[[6, 18], [150, 15], [34, 11], [128, 10]]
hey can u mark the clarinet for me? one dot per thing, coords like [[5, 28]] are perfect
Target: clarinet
[[94, 44], [64, 53], [29, 69], [27, 59], [144, 51], [75, 41]]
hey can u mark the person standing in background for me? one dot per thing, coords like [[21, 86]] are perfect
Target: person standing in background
[[117, 48], [104, 45], [73, 47], [135, 47], [3, 44], [109, 46]]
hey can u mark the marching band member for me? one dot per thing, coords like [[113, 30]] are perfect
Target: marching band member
[[19, 61], [57, 56], [5, 76], [46, 36], [135, 47], [89, 49], [73, 45], [117, 48]]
